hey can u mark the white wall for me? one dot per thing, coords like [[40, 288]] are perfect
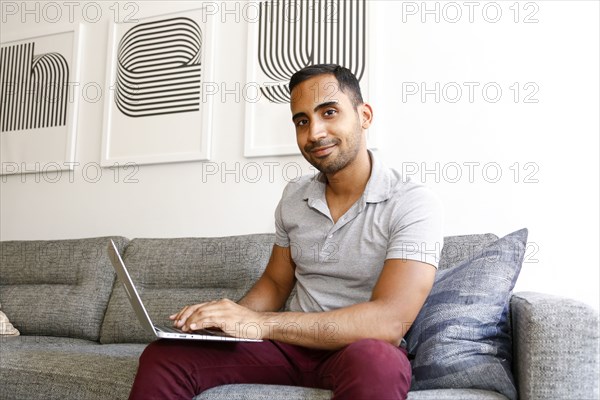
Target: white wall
[[555, 140]]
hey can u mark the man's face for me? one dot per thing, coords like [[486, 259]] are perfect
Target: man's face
[[329, 129]]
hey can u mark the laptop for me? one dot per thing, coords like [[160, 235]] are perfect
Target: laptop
[[160, 331]]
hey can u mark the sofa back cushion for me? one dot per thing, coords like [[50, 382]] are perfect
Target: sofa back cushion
[[57, 287], [172, 273]]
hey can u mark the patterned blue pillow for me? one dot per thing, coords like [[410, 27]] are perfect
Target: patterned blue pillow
[[461, 338]]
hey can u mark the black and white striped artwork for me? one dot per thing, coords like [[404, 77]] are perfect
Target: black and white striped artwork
[[34, 88], [293, 34], [159, 68]]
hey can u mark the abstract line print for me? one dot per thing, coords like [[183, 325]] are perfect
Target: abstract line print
[[34, 88], [296, 33], [159, 68]]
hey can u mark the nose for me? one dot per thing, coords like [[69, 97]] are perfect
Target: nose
[[317, 130]]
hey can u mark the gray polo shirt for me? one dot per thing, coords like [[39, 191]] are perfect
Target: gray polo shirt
[[337, 265]]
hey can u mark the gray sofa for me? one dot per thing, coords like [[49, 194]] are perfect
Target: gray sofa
[[80, 339]]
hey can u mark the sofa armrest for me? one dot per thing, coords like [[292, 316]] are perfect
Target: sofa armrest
[[555, 347]]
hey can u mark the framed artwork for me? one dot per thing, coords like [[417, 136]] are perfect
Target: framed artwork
[[155, 110], [285, 36], [38, 104]]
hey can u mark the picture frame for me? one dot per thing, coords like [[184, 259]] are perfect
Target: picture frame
[[155, 110], [271, 62], [38, 122]]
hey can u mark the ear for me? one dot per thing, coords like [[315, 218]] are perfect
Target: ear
[[365, 113]]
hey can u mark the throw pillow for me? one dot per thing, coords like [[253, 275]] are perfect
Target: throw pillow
[[6, 328], [461, 337]]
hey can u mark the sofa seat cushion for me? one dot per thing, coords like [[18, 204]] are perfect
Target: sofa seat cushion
[[172, 273], [57, 287], [268, 392], [263, 392], [36, 367], [454, 394]]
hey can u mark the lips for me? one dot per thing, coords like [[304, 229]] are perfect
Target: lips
[[321, 147], [322, 151]]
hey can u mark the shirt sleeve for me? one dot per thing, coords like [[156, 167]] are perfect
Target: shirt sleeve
[[417, 227]]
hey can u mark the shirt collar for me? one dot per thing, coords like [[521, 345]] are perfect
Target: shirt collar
[[378, 187]]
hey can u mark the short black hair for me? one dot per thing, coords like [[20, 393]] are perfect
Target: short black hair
[[346, 79]]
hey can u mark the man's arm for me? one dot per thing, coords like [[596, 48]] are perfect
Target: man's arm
[[273, 288], [399, 294]]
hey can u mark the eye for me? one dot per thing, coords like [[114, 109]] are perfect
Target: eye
[[330, 112], [301, 122]]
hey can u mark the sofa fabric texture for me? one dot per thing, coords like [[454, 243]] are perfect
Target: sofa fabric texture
[[555, 344], [270, 392], [57, 287], [43, 367], [95, 354]]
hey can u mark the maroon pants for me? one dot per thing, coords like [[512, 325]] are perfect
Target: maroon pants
[[181, 369]]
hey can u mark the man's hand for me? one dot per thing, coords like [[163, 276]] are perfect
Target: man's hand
[[243, 319], [230, 317]]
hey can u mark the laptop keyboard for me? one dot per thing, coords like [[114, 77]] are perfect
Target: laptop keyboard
[[167, 329], [209, 332]]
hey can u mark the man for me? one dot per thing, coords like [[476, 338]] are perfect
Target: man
[[361, 246]]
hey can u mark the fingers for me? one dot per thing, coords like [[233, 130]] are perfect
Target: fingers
[[180, 319], [209, 315], [223, 314]]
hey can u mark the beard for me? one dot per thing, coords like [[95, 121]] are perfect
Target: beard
[[331, 163]]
